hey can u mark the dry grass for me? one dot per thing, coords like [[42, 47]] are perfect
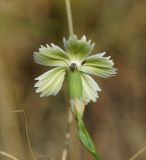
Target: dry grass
[[116, 121]]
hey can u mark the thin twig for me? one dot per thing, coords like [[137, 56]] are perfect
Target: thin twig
[[26, 131], [69, 17], [67, 137], [138, 153], [8, 155]]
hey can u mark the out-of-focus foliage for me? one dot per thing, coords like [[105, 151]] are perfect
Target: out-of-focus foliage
[[117, 120]]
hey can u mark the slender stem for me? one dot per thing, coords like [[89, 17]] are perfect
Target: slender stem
[[69, 17], [138, 153], [27, 136], [67, 137], [70, 117]]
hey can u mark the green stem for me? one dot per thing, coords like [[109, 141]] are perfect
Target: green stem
[[69, 17], [76, 93]]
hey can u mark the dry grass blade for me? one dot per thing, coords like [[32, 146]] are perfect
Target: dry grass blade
[[27, 136], [8, 155], [138, 153]]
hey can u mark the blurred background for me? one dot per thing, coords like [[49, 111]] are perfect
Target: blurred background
[[117, 121]]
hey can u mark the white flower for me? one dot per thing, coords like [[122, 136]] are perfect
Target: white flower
[[74, 58]]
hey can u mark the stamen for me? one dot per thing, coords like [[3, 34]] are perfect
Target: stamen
[[73, 66]]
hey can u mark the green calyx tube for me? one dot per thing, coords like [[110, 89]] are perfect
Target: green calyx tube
[[75, 87]]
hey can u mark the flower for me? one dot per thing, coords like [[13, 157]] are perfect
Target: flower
[[75, 58]]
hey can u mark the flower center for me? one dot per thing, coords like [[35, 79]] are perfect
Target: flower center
[[73, 66]]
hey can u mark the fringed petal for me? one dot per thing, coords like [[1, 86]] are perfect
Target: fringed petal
[[99, 66], [90, 88], [51, 56], [50, 82], [78, 48]]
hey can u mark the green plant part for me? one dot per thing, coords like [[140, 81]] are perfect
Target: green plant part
[[75, 65], [85, 137]]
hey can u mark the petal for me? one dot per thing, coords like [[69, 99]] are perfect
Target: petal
[[50, 82], [99, 66], [90, 88], [78, 48], [51, 56]]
